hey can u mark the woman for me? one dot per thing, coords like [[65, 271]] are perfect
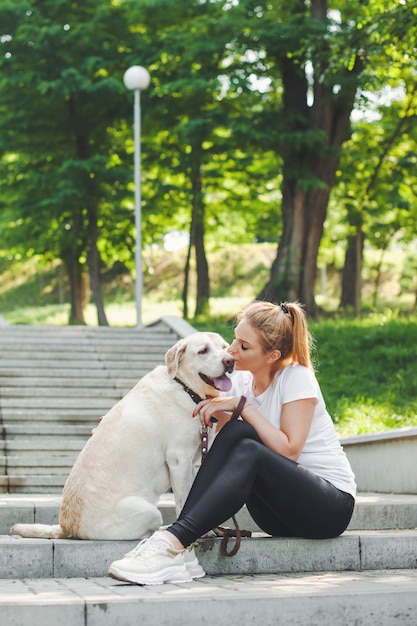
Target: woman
[[281, 458]]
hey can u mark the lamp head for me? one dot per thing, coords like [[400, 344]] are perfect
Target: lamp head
[[136, 77]]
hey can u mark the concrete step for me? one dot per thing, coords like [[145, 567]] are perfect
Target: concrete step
[[376, 598], [83, 332], [38, 444], [28, 391], [67, 366], [65, 415], [30, 429], [373, 511], [121, 371], [29, 483], [64, 351], [57, 403], [259, 554], [35, 384], [37, 463]]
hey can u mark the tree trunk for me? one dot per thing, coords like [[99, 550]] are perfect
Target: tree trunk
[[78, 288], [94, 268], [203, 282], [83, 153], [378, 276], [197, 232], [293, 273], [187, 277], [352, 272]]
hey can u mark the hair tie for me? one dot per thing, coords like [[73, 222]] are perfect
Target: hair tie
[[284, 307]]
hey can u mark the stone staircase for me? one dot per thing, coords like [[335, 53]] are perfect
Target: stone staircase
[[366, 576], [54, 385]]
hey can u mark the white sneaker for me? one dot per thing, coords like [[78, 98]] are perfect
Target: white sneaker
[[154, 561], [191, 563]]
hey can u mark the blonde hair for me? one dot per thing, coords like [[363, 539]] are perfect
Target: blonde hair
[[281, 327]]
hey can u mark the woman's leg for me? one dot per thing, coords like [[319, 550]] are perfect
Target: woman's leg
[[284, 497], [304, 505]]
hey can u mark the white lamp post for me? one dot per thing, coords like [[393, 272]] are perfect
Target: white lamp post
[[137, 78]]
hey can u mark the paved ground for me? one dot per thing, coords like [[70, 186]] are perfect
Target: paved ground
[[380, 598]]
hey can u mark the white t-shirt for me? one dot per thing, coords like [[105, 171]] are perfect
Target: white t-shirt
[[322, 452]]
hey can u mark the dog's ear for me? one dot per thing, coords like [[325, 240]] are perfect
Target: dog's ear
[[173, 357]]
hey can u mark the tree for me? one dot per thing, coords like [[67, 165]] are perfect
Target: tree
[[376, 203], [319, 54], [188, 63], [62, 62]]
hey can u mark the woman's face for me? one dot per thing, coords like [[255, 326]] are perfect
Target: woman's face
[[246, 348]]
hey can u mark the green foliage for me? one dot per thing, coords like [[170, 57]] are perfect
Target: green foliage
[[62, 63]]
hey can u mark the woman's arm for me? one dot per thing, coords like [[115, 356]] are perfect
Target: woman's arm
[[289, 440]]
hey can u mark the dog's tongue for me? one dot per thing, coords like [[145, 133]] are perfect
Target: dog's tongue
[[223, 383]]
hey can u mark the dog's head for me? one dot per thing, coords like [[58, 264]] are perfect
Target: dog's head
[[201, 362]]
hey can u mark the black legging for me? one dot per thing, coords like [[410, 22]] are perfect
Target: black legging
[[284, 498]]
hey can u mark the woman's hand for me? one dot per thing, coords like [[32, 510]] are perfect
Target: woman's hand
[[220, 407]]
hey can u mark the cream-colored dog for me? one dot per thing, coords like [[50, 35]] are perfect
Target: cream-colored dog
[[147, 443]]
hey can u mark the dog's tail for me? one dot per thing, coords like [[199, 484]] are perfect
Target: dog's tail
[[44, 531]]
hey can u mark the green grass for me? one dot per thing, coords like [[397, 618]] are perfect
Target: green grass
[[367, 371]]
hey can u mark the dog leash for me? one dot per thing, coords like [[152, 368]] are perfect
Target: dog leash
[[204, 429], [227, 532]]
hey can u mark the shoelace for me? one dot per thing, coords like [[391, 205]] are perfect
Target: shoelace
[[147, 548]]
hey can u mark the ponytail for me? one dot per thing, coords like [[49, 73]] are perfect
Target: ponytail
[[281, 327]]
